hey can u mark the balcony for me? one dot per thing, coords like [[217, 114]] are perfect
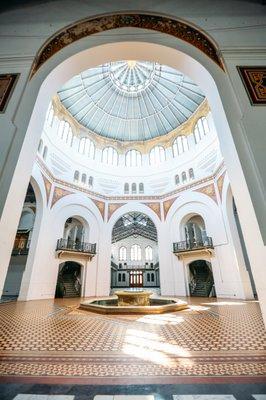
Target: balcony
[[77, 250], [186, 247], [21, 247]]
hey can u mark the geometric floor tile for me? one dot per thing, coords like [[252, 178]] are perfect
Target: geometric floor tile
[[204, 397], [53, 341], [123, 397], [43, 397]]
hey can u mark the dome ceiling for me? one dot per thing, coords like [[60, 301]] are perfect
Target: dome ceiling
[[131, 100]]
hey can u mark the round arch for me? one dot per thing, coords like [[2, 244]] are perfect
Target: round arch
[[73, 59], [131, 207]]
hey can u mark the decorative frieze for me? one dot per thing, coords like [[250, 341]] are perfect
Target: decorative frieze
[[91, 26]]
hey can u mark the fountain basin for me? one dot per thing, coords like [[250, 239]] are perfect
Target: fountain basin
[[133, 298], [157, 305]]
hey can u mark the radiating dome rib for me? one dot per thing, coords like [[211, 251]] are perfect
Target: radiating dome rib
[[131, 100]]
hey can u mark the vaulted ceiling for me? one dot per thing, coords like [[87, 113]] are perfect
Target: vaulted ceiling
[[134, 224], [131, 100]]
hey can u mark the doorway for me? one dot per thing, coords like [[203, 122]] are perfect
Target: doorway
[[68, 280], [201, 282]]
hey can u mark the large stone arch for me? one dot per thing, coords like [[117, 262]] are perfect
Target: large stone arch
[[163, 48]]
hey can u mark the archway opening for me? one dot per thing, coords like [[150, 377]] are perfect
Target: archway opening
[[134, 254], [21, 248], [201, 282], [74, 233], [68, 280], [195, 231]]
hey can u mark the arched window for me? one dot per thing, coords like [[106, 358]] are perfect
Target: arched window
[[45, 152], [87, 147], [184, 177], [141, 188], [60, 130], [152, 277], [119, 277], [177, 180], [133, 188], [90, 182], [135, 252], [148, 277], [50, 115], [157, 155], [84, 179], [133, 158], [126, 188], [110, 156], [148, 253], [76, 176], [180, 145], [123, 253], [201, 129], [67, 135], [191, 173], [40, 146], [124, 277]]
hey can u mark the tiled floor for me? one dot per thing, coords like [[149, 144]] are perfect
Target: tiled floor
[[54, 342]]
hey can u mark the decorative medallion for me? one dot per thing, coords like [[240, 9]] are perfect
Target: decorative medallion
[[90, 26], [220, 183], [209, 190], [254, 80], [167, 205], [100, 205], [58, 194], [112, 207], [7, 85], [48, 187], [154, 207]]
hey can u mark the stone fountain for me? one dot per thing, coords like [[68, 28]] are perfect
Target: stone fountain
[[133, 298], [133, 302]]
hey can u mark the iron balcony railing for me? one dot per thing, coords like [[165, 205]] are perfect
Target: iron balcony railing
[[21, 247], [79, 247], [187, 245]]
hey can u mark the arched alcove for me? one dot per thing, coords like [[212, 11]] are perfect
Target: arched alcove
[[134, 252]]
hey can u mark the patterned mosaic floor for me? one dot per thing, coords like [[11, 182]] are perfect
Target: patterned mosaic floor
[[46, 340]]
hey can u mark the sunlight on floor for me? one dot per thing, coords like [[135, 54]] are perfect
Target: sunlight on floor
[[151, 347], [162, 319], [227, 303]]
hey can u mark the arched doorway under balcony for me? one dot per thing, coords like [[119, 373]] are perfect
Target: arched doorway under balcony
[[69, 280], [200, 277]]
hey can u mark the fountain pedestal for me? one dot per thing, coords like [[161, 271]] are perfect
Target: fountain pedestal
[[138, 298]]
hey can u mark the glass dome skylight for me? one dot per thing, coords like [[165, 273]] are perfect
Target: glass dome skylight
[[131, 100]]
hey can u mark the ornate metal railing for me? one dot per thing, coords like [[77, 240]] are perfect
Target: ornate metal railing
[[79, 247], [21, 247], [187, 245]]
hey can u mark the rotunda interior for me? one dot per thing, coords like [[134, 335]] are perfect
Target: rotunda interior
[[132, 200]]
